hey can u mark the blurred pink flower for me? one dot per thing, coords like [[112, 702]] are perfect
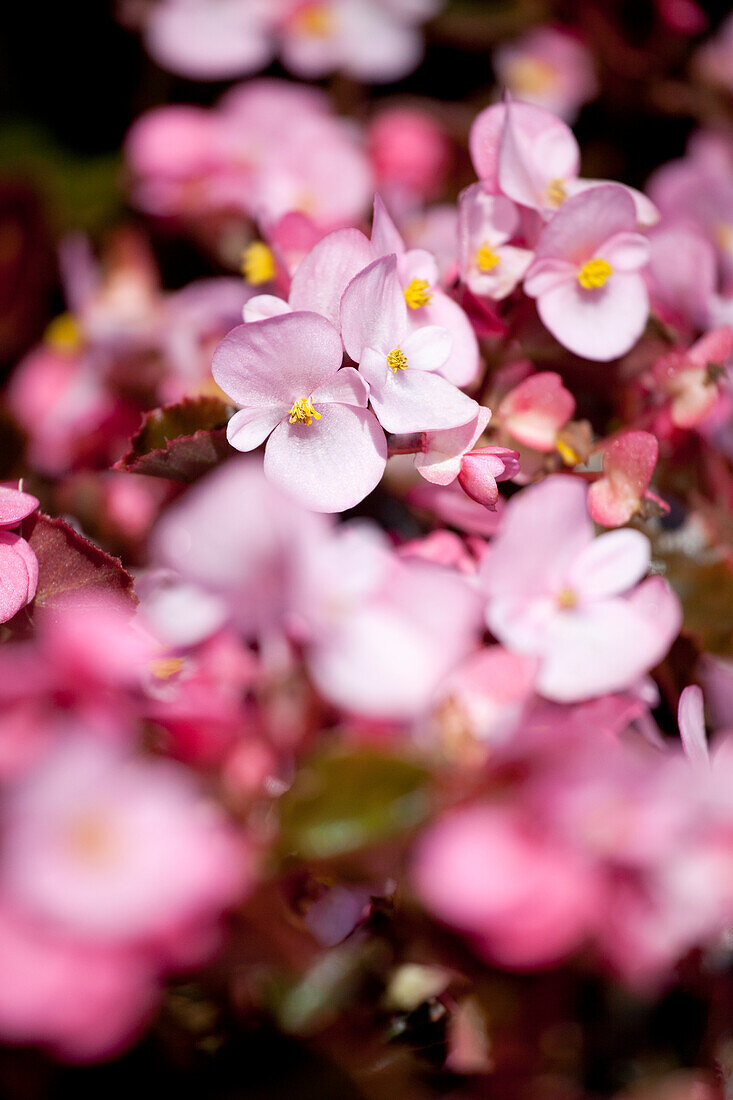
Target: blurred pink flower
[[550, 68], [535, 411], [490, 267], [628, 464], [571, 600]]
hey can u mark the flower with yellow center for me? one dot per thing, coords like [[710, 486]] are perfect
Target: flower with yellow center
[[397, 360], [417, 293], [486, 258], [555, 192], [594, 273], [303, 412], [258, 264]]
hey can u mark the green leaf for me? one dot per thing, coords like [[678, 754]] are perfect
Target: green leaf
[[342, 802]]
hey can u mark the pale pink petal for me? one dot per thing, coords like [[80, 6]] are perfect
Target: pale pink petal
[[647, 213], [481, 469], [250, 427], [544, 528], [610, 565], [417, 401], [186, 37], [627, 251], [15, 506], [427, 348], [464, 362], [386, 237], [628, 464], [24, 549], [483, 217], [441, 461], [601, 647], [375, 46], [714, 347], [331, 464], [323, 275], [505, 277], [347, 387], [536, 149], [535, 410], [263, 306], [584, 223], [600, 324], [548, 274], [373, 309], [277, 361], [691, 719]]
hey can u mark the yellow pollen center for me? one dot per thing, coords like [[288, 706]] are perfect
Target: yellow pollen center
[[303, 412], [258, 263], [556, 193], [163, 668], [567, 453], [486, 258], [397, 360], [723, 234], [417, 293], [530, 75], [64, 334], [594, 274], [567, 599], [315, 20], [91, 839]]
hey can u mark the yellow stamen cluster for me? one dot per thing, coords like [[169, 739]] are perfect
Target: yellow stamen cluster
[[303, 412], [567, 599], [556, 193], [594, 274], [315, 20], [258, 264], [163, 668], [397, 360], [567, 453], [417, 293], [530, 76], [64, 334], [486, 258]]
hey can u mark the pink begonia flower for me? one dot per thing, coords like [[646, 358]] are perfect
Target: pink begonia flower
[[536, 410], [249, 568], [532, 157], [571, 600], [200, 162], [548, 68], [85, 1002], [525, 900], [117, 849], [490, 267], [411, 154], [682, 276], [628, 465], [325, 447], [400, 365], [440, 459], [18, 563], [688, 379], [188, 37], [481, 469], [586, 275], [491, 690], [417, 273], [371, 40]]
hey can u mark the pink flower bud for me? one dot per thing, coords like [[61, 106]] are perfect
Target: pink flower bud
[[481, 469]]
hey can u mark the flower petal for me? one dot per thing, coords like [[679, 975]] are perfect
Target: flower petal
[[323, 275], [347, 387], [373, 309], [600, 324], [274, 362], [610, 565], [427, 348], [331, 464], [250, 427], [418, 401]]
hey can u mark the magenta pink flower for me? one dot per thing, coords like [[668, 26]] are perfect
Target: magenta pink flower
[[400, 365], [481, 469], [443, 451], [535, 411], [324, 447], [688, 378], [586, 274], [628, 465], [557, 593], [18, 563]]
